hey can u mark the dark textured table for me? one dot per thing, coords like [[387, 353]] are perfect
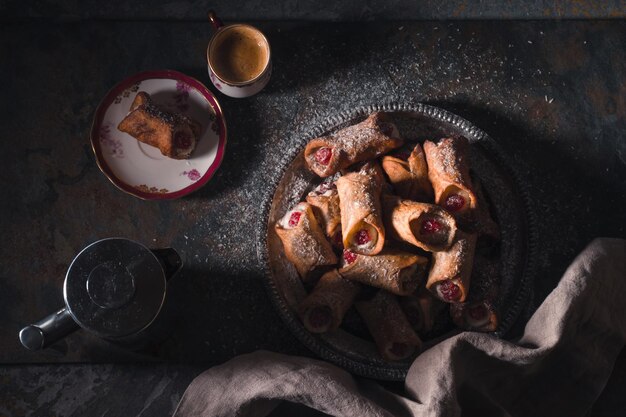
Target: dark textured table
[[552, 93], [325, 10]]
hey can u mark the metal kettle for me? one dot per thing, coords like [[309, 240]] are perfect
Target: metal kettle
[[114, 288]]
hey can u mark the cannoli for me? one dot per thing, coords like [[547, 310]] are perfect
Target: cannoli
[[305, 245], [448, 171], [361, 216], [413, 312], [449, 276], [389, 327], [323, 309], [374, 136], [424, 225], [395, 271], [325, 202], [478, 316], [420, 309], [485, 225], [479, 311], [174, 134], [408, 173]]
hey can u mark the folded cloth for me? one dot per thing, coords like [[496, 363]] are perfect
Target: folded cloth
[[558, 367]]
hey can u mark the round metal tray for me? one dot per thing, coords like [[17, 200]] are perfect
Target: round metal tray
[[417, 122]]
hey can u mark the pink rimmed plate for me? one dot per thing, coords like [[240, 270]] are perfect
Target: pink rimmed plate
[[140, 169]]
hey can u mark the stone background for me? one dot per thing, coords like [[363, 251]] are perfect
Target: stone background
[[314, 10], [551, 92]]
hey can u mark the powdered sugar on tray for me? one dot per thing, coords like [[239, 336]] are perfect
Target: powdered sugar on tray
[[414, 123]]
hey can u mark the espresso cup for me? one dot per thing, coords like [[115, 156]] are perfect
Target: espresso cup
[[239, 58]]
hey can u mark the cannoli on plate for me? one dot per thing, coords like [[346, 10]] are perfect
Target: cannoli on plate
[[424, 225], [450, 272], [323, 309], [361, 215], [305, 245], [480, 316], [448, 171], [389, 327], [325, 202], [413, 311], [408, 173], [479, 311], [420, 309], [395, 271], [372, 137], [485, 225], [174, 134]]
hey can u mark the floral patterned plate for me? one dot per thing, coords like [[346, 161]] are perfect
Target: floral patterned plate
[[140, 169]]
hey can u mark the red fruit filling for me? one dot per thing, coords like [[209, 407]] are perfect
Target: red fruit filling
[[349, 256], [182, 140], [449, 290], [320, 317], [454, 202], [323, 155], [430, 226], [399, 350], [294, 219], [362, 237], [477, 312]]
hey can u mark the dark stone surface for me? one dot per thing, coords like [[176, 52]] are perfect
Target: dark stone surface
[[325, 10], [103, 390], [552, 93]]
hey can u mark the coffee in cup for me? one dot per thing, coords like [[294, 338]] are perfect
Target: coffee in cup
[[238, 59]]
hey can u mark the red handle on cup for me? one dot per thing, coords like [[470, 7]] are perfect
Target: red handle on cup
[[215, 21]]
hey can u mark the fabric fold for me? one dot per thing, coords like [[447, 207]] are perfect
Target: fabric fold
[[558, 367]]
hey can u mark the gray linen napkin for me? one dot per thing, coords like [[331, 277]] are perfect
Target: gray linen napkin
[[558, 367]]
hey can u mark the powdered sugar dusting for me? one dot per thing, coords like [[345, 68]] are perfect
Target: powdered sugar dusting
[[305, 244], [449, 157], [360, 142], [384, 270], [417, 122]]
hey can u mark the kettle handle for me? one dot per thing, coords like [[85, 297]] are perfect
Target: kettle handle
[[48, 330], [170, 261]]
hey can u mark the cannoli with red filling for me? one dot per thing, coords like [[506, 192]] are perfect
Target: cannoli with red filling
[[424, 225], [174, 134], [408, 173], [395, 271], [479, 312], [323, 309], [389, 327], [305, 245], [372, 137], [448, 171], [325, 201], [480, 316], [450, 272], [361, 215]]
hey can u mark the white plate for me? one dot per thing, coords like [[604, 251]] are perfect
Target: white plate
[[140, 169]]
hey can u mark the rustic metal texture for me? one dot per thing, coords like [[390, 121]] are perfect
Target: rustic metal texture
[[551, 94], [416, 122]]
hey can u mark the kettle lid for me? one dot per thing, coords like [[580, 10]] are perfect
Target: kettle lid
[[115, 287]]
